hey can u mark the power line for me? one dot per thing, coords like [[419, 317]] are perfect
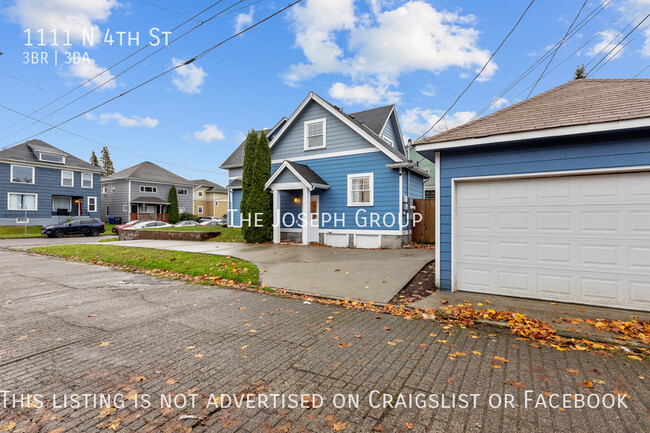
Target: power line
[[641, 71], [601, 7], [112, 66], [613, 56], [479, 72], [558, 47], [111, 146], [125, 70], [21, 80], [192, 60], [619, 43], [163, 8]]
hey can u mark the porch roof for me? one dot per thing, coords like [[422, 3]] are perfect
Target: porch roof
[[306, 175], [149, 200]]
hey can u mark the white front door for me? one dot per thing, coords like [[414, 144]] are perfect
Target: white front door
[[583, 239], [314, 219]]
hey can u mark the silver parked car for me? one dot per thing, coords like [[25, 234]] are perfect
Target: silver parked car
[[186, 224]]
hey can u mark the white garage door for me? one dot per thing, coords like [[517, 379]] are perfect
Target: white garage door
[[583, 239]]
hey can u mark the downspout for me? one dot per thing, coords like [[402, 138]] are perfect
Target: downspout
[[128, 207], [409, 144]]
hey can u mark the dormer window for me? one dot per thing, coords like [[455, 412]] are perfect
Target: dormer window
[[315, 134], [50, 157]]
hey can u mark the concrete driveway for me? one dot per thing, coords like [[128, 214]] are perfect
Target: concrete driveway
[[367, 275]]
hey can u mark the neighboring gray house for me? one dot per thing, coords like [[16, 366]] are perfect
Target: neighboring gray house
[[41, 184], [142, 192]]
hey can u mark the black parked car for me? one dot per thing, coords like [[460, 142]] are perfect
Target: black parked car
[[88, 227]]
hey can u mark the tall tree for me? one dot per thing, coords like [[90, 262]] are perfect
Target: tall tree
[[107, 163], [262, 202], [579, 73], [245, 211], [93, 159], [172, 198]]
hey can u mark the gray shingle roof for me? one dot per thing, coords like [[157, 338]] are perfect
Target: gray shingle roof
[[25, 153], [213, 187], [235, 184], [307, 173], [375, 118], [148, 171], [149, 200], [578, 102]]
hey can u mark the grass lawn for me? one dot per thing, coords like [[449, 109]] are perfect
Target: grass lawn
[[228, 234], [191, 264], [19, 231], [110, 240]]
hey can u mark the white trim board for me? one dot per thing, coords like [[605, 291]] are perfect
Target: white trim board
[[313, 97], [531, 135], [306, 125], [455, 180], [285, 165], [327, 155], [437, 216]]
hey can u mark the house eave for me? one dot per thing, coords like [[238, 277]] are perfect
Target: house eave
[[564, 131]]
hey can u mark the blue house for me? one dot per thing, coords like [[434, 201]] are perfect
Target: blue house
[[549, 198], [337, 179], [41, 184]]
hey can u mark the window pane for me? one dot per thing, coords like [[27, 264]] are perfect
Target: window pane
[[23, 174], [315, 129], [316, 141], [86, 180], [60, 203], [51, 158]]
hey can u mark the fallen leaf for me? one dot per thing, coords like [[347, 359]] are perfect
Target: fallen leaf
[[244, 347], [359, 336], [105, 343], [171, 381], [599, 381], [572, 371], [442, 341], [386, 328], [8, 427], [588, 384], [190, 347], [476, 352], [339, 426], [391, 343], [198, 355], [345, 345], [635, 357], [252, 331], [408, 425], [517, 384], [498, 358]]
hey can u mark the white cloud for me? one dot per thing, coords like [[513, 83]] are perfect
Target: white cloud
[[608, 40], [381, 46], [209, 133], [637, 9], [88, 70], [243, 20], [429, 90], [500, 103], [365, 94], [188, 78], [123, 121], [77, 16], [417, 120]]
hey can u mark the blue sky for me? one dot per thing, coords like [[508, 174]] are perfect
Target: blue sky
[[357, 54]]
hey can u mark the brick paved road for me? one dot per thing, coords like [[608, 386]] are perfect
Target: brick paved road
[[56, 318]]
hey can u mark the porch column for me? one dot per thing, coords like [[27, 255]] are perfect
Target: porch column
[[306, 209], [276, 216]]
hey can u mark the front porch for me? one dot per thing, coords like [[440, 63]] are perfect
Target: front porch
[[67, 206], [295, 190], [149, 209]]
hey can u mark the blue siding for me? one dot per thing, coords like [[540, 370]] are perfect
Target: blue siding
[[47, 183], [391, 131], [288, 206], [578, 154], [339, 136], [334, 201], [286, 177]]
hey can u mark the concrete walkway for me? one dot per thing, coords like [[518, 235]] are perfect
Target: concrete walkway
[[367, 275], [550, 312]]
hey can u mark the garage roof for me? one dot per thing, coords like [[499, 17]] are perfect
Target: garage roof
[[582, 102]]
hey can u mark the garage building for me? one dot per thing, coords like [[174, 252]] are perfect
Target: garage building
[[549, 198]]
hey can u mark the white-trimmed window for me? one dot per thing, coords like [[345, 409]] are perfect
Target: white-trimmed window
[[104, 189], [67, 178], [182, 192], [19, 201], [315, 134], [199, 210], [86, 180], [60, 202], [112, 188], [22, 174], [361, 189], [148, 189], [92, 204], [388, 140], [50, 157], [200, 193], [125, 208], [181, 210]]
